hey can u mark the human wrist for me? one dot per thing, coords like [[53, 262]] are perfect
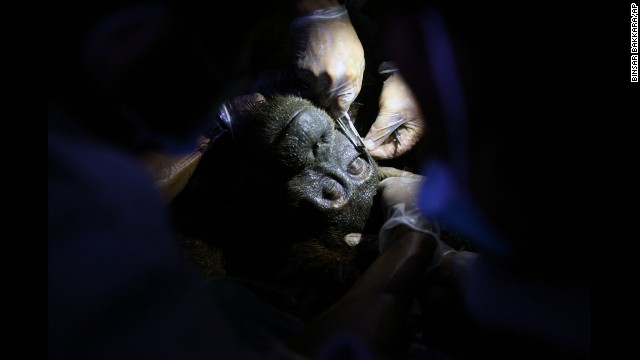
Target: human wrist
[[415, 241], [407, 216]]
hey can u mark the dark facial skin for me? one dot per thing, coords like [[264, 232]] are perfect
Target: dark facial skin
[[331, 176]]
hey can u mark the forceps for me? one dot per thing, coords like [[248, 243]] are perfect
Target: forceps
[[346, 125], [350, 132]]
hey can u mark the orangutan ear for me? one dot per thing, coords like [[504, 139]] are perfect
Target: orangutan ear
[[120, 39]]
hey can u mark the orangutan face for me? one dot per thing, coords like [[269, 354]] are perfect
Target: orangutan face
[[328, 184], [289, 188]]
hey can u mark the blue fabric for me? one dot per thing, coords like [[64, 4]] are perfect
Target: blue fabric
[[117, 284]]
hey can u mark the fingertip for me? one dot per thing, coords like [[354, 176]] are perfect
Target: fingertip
[[374, 152], [335, 111], [378, 154], [370, 145]]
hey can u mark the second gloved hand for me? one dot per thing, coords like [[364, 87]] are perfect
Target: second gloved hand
[[400, 123], [329, 58], [399, 201]]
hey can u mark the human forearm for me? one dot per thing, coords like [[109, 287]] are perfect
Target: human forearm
[[376, 307]]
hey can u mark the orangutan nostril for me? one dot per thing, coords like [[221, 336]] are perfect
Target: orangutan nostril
[[331, 192]]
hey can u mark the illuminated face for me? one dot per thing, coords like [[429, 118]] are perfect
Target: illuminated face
[[329, 184]]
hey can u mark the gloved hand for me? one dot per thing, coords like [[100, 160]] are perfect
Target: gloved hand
[[399, 124], [399, 186], [399, 200], [329, 58]]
